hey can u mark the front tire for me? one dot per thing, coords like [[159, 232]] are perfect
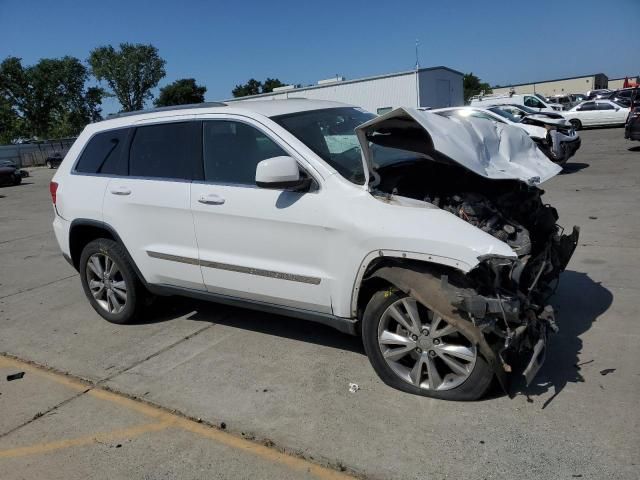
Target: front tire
[[17, 179], [413, 349], [110, 283], [577, 124]]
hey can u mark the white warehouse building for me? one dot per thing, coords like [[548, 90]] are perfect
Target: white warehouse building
[[425, 87]]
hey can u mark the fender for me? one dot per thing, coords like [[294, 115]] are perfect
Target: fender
[[422, 257]]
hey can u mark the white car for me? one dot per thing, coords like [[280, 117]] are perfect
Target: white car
[[556, 138], [594, 113], [426, 235]]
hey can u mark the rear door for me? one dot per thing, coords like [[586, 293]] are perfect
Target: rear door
[[150, 207], [259, 244], [606, 112]]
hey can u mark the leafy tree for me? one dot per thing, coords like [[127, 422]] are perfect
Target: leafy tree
[[181, 92], [473, 86], [271, 83], [252, 87], [48, 98], [131, 72]]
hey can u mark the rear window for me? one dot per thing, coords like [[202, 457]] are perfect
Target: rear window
[[168, 150], [104, 153]]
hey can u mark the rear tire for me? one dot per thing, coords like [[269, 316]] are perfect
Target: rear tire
[[471, 381], [577, 124], [110, 282], [17, 179]]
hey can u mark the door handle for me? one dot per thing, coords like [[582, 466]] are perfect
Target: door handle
[[120, 191], [211, 199]]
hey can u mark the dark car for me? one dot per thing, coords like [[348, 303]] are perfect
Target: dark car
[[632, 127], [624, 95], [598, 94], [54, 161], [10, 174]]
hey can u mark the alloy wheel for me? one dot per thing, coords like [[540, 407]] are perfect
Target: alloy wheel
[[106, 283], [422, 348]]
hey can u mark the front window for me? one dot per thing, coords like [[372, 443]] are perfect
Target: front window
[[533, 102], [330, 133]]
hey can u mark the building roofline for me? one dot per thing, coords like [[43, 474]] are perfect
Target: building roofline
[[547, 81], [344, 82]]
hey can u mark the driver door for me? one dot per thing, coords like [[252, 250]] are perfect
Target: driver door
[[258, 244]]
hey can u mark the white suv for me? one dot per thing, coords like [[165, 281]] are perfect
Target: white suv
[[424, 234]]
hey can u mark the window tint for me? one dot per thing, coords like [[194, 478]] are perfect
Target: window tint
[[103, 153], [232, 151], [533, 102], [605, 106], [587, 106], [169, 150]]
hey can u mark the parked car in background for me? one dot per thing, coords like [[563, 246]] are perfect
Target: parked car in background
[[597, 94], [425, 235], [54, 161], [623, 95], [10, 174], [556, 138], [594, 113], [566, 101], [632, 125], [520, 111], [528, 100]]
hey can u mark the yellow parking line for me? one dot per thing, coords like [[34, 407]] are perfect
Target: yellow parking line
[[77, 442], [164, 420]]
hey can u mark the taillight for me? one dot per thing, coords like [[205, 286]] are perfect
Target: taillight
[[53, 189]]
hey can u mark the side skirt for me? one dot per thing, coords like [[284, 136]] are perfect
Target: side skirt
[[344, 325]]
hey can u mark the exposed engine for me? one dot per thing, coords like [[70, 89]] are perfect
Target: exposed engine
[[507, 298]]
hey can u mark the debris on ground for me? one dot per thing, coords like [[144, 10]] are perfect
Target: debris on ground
[[607, 371], [593, 218], [354, 387], [15, 376], [223, 426]]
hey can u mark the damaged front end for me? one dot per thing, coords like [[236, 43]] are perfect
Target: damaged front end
[[492, 186], [509, 298], [560, 143]]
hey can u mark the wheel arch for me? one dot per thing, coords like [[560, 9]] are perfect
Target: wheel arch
[[83, 231], [366, 284]]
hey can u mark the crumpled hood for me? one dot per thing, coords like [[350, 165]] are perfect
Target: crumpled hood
[[489, 149], [547, 120]]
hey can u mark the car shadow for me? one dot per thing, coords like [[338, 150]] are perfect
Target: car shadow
[[634, 149], [171, 308], [573, 168], [578, 302]]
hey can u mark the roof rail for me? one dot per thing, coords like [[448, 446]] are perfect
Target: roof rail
[[166, 109]]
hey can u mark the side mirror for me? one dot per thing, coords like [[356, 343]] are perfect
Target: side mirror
[[279, 173]]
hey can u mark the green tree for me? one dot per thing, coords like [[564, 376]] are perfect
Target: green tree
[[271, 83], [49, 98], [252, 87], [473, 86], [181, 92], [130, 72]]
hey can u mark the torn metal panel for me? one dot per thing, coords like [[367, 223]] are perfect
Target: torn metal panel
[[491, 150]]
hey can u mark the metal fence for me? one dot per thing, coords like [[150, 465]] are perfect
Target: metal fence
[[35, 154]]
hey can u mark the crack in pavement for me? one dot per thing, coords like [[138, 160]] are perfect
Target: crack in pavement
[[25, 237], [39, 286]]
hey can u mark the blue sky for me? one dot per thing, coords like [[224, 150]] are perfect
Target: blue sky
[[222, 44]]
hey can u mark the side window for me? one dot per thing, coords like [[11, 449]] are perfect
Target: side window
[[587, 106], [604, 106], [486, 117], [533, 102], [167, 150], [104, 153], [232, 150]]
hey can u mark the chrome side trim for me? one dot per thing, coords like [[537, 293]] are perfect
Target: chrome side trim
[[237, 268], [173, 258]]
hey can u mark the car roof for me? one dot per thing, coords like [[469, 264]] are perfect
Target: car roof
[[267, 108]]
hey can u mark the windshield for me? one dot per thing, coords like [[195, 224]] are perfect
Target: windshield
[[505, 114], [330, 133]]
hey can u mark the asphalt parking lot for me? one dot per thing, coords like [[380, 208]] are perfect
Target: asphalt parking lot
[[282, 385]]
